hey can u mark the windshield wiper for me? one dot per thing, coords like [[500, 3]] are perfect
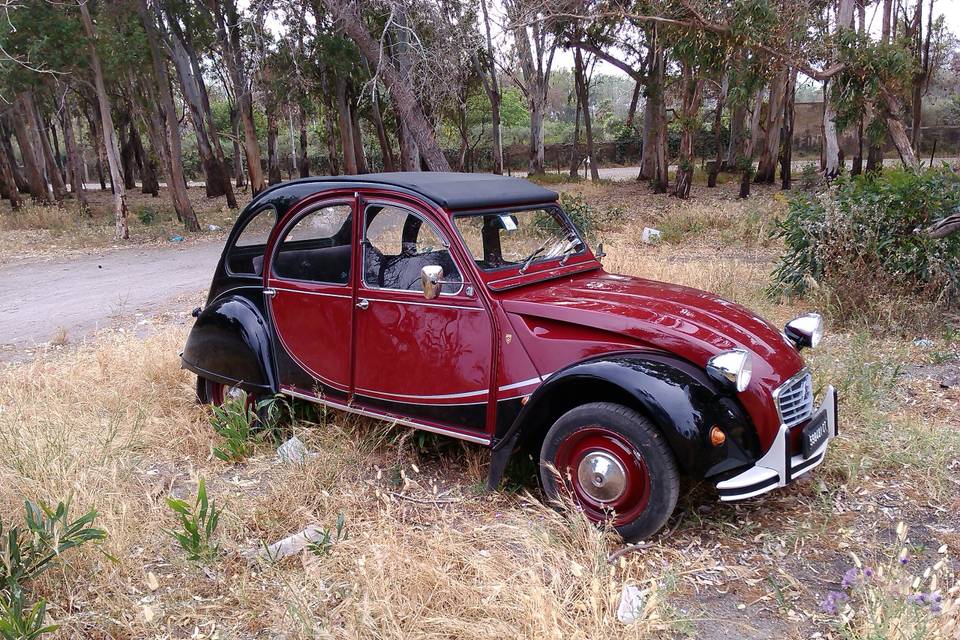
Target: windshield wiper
[[530, 258]]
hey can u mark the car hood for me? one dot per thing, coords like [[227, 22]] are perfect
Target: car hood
[[693, 324]]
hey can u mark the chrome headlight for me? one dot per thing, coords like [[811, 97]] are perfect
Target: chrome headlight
[[805, 331], [732, 367]]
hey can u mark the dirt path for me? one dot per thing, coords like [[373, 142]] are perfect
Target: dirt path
[[67, 299]]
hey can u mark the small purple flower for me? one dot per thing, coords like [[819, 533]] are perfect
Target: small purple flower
[[829, 605], [904, 558], [935, 608], [915, 598], [868, 573], [849, 578]]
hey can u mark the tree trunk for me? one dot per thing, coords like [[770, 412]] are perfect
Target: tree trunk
[[52, 168], [898, 133], [330, 134], [718, 132], [176, 181], [409, 152], [74, 161], [225, 13], [491, 84], [28, 152], [273, 160], [8, 183], [575, 144], [738, 122], [93, 120], [745, 159], [634, 99], [346, 127], [109, 134], [584, 91], [786, 154], [128, 160], [385, 149], [831, 145], [358, 152], [770, 145], [400, 91], [654, 154], [536, 75], [304, 161], [692, 94], [238, 173], [18, 176]]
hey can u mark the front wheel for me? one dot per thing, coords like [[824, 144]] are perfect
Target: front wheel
[[614, 464]]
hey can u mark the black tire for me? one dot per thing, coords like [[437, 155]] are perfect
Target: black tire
[[213, 393], [625, 445]]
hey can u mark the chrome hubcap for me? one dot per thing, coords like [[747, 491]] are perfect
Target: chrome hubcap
[[232, 393], [601, 476]]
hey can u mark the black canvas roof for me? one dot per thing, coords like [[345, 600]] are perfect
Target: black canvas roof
[[457, 191]]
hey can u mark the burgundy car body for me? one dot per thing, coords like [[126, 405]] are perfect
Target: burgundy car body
[[496, 361]]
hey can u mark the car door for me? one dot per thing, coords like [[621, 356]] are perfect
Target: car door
[[308, 278], [428, 359]]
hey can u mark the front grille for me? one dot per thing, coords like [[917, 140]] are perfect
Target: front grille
[[795, 399]]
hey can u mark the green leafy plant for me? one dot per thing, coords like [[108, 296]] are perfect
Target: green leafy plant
[[28, 550], [242, 424], [146, 215], [198, 525], [19, 621], [324, 545]]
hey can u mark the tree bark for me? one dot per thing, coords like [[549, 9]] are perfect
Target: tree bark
[[386, 151], [831, 145], [176, 181], [304, 161], [273, 160], [36, 182], [54, 177], [491, 84], [634, 99], [692, 95], [583, 90], [770, 145], [18, 175], [8, 183], [74, 160], [346, 127], [400, 91], [106, 121], [745, 159], [357, 136], [238, 173], [128, 159], [575, 143], [898, 133], [718, 132], [225, 13], [786, 154], [330, 135]]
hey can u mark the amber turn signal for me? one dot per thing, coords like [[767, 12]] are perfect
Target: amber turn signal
[[717, 436]]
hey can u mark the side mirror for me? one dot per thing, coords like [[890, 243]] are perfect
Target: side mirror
[[600, 254], [431, 279]]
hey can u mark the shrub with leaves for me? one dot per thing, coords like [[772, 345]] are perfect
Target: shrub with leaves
[[243, 424], [585, 216], [861, 244], [896, 599], [198, 525], [28, 550]]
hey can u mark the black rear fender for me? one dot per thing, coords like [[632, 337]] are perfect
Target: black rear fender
[[230, 343]]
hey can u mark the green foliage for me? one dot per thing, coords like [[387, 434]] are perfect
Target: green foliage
[[28, 550], [587, 218], [146, 215], [198, 525], [242, 425], [324, 545], [20, 621], [864, 238]]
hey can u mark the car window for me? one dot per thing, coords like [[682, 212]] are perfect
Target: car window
[[258, 229], [317, 248], [397, 245], [518, 238]]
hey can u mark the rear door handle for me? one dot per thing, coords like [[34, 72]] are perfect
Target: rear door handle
[[269, 292], [363, 303]]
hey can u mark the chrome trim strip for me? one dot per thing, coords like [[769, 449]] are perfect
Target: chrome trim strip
[[444, 396], [386, 417], [315, 293], [420, 304], [524, 383]]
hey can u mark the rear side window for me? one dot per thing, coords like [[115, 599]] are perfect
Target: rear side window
[[246, 254], [317, 248]]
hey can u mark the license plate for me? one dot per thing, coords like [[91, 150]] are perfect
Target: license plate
[[815, 433]]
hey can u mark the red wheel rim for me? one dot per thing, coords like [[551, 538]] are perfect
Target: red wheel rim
[[219, 393], [604, 474]]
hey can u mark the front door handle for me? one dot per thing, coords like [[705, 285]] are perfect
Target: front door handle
[[363, 303]]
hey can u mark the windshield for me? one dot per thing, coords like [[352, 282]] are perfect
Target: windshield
[[519, 238]]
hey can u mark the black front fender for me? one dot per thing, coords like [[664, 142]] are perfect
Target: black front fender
[[678, 397], [230, 343]]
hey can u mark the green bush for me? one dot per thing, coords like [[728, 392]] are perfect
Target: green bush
[[861, 245], [587, 218]]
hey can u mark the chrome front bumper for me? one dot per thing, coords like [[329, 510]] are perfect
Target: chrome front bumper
[[778, 467]]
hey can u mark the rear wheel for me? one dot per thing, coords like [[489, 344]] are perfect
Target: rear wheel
[[217, 394], [614, 464]]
